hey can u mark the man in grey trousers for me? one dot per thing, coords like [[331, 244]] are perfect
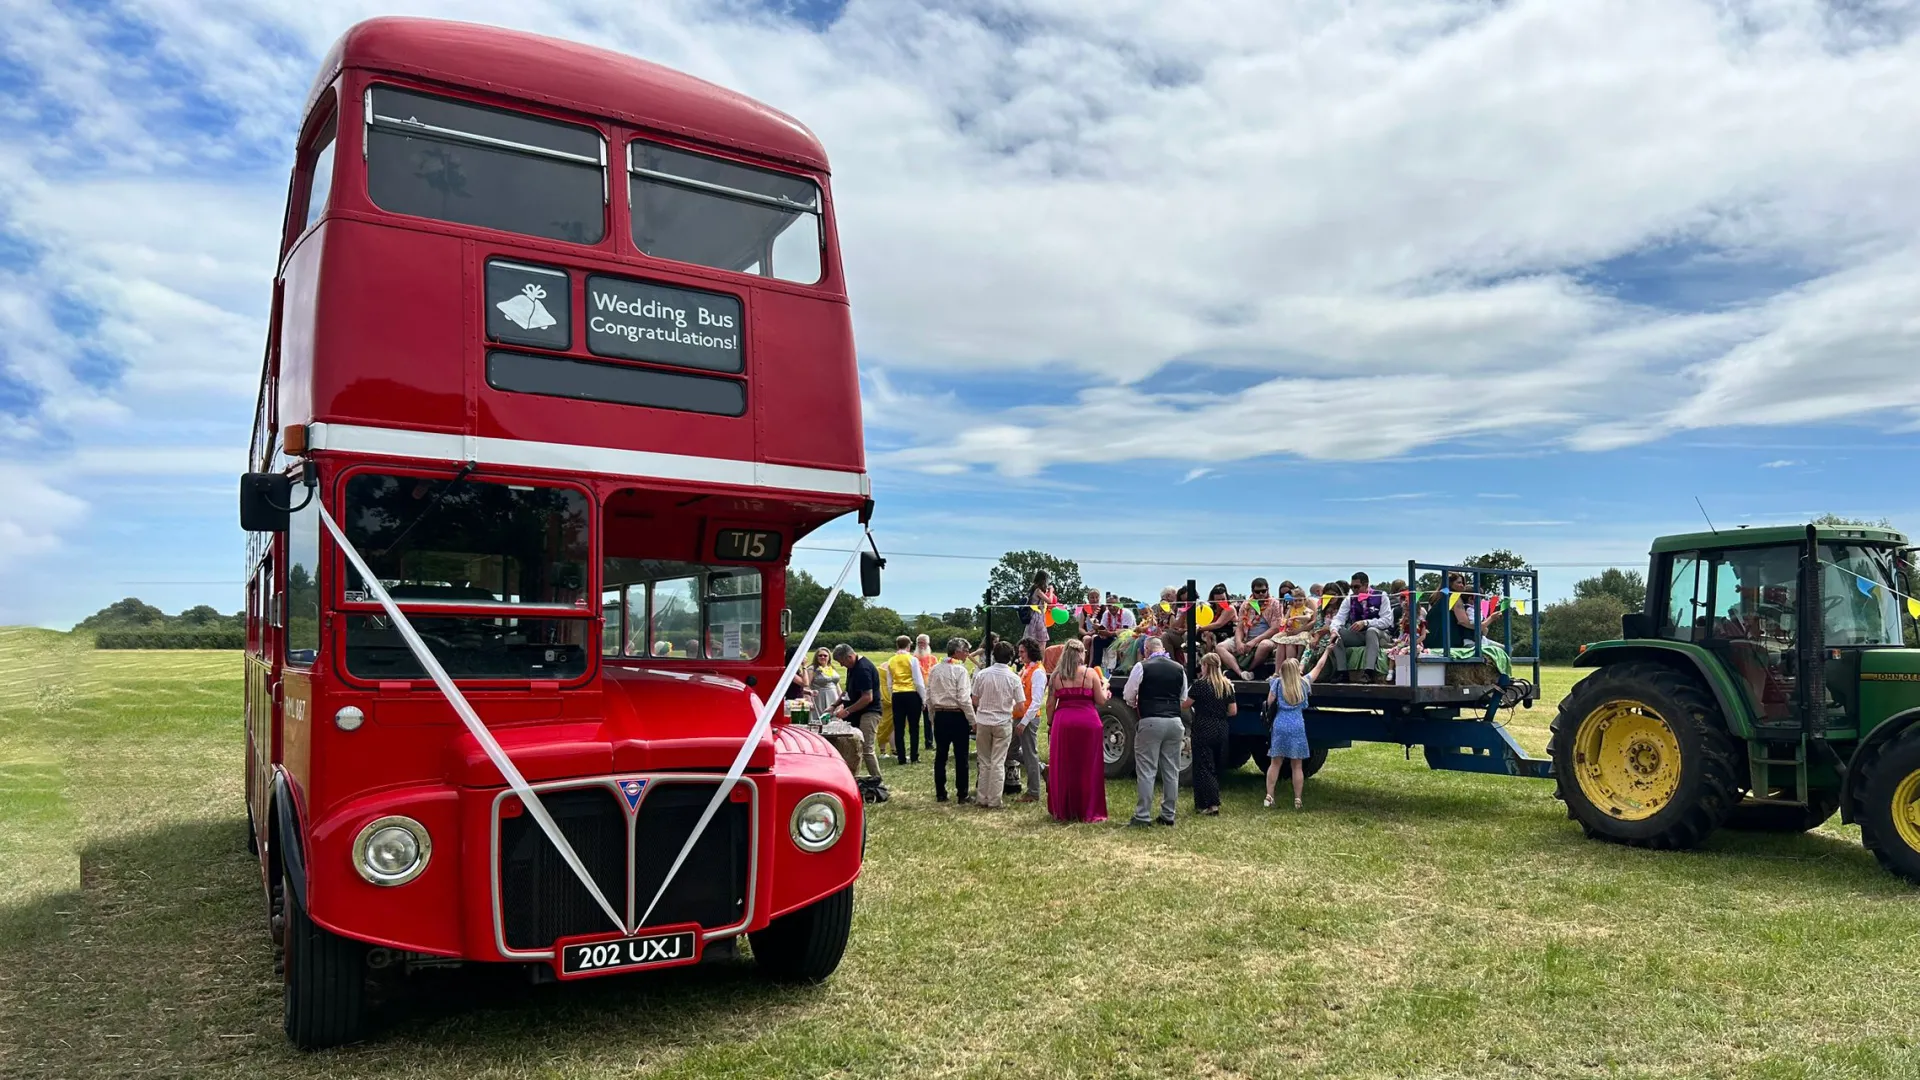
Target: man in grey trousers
[[1155, 689]]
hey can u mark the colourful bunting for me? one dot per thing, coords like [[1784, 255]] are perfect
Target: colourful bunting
[[1866, 587], [1164, 606], [1913, 607]]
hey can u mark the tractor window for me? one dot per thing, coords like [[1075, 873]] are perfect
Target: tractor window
[[1857, 588], [1755, 593], [1682, 582]]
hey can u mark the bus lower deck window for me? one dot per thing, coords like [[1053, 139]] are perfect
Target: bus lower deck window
[[448, 160]]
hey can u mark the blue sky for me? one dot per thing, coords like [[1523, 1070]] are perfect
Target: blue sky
[[1295, 287]]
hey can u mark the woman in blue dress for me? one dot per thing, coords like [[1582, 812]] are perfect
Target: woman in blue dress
[[1287, 695]]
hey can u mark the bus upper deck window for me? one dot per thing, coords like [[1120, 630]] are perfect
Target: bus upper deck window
[[320, 178], [697, 209], [433, 157]]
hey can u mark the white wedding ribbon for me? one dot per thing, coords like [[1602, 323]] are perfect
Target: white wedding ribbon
[[474, 725], [767, 709]]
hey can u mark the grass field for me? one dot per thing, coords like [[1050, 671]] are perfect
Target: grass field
[[1407, 924]]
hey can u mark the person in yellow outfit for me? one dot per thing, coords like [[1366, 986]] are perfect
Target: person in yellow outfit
[[909, 688]]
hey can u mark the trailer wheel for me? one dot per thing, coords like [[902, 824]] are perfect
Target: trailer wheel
[[1315, 759], [1237, 755], [1889, 806], [326, 982], [1642, 757], [1773, 818], [806, 945], [1117, 719]]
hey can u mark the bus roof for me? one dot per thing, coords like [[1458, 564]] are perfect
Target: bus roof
[[1774, 534], [579, 78]]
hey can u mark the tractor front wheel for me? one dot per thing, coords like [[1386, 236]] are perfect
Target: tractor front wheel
[[1642, 757], [1889, 811]]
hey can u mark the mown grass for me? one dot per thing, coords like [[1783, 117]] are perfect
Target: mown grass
[[1409, 923]]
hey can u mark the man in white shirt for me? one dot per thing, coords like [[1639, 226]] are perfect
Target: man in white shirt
[[950, 700], [1365, 617], [996, 694], [1026, 719]]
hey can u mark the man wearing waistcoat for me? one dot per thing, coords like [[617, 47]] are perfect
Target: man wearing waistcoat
[[1155, 688], [1364, 618]]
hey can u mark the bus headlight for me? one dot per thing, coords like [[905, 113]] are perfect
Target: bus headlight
[[392, 850], [818, 822]]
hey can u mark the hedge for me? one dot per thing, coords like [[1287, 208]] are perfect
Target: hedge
[[170, 639]]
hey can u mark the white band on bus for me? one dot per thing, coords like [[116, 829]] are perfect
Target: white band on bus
[[472, 719]]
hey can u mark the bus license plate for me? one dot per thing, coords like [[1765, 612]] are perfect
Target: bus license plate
[[579, 959]]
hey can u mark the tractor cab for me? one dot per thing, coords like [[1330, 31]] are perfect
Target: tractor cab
[[1770, 680], [1785, 614]]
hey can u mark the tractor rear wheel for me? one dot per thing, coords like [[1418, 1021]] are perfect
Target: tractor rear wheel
[[1642, 757], [1889, 807], [1751, 816]]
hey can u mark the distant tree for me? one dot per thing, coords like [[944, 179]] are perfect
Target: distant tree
[[1627, 586], [879, 620], [124, 614], [1566, 626], [804, 597], [1837, 521], [1008, 581], [965, 618], [201, 615]]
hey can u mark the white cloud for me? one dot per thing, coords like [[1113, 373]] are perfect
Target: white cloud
[[1782, 463], [1394, 209], [33, 514]]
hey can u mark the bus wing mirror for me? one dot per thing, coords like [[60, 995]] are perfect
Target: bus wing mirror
[[264, 499], [870, 565]]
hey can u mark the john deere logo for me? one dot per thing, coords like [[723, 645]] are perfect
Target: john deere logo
[[1889, 676]]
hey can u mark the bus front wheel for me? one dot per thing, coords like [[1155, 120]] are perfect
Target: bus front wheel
[[326, 983], [806, 945]]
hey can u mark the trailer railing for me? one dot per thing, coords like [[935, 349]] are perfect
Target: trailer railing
[[1501, 588]]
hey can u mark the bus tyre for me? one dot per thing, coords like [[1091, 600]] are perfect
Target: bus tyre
[[1773, 818], [1889, 807], [1237, 755], [806, 945], [1117, 719], [326, 983], [1642, 756]]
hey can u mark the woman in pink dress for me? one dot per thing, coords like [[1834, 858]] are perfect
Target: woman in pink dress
[[1076, 765]]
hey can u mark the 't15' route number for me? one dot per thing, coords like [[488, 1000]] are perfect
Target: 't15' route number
[[746, 545]]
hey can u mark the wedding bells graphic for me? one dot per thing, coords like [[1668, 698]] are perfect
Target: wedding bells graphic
[[525, 309]]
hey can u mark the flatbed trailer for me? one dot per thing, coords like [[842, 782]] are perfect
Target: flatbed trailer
[[1456, 725]]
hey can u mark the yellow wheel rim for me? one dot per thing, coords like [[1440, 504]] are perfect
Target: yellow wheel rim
[[1627, 760], [1906, 810]]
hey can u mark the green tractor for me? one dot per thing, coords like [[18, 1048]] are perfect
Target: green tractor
[[1768, 683]]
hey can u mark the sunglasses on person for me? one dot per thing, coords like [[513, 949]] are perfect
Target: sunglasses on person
[[1261, 592]]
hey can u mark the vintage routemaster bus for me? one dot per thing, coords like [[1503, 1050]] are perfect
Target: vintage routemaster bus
[[560, 341]]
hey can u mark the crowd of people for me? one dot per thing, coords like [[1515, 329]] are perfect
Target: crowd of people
[[991, 701]]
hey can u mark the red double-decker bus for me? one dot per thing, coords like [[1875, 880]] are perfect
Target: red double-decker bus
[[560, 341]]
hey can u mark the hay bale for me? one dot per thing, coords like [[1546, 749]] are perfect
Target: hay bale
[[847, 739]]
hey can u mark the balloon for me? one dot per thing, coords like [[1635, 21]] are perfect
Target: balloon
[[1060, 615], [1203, 615]]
